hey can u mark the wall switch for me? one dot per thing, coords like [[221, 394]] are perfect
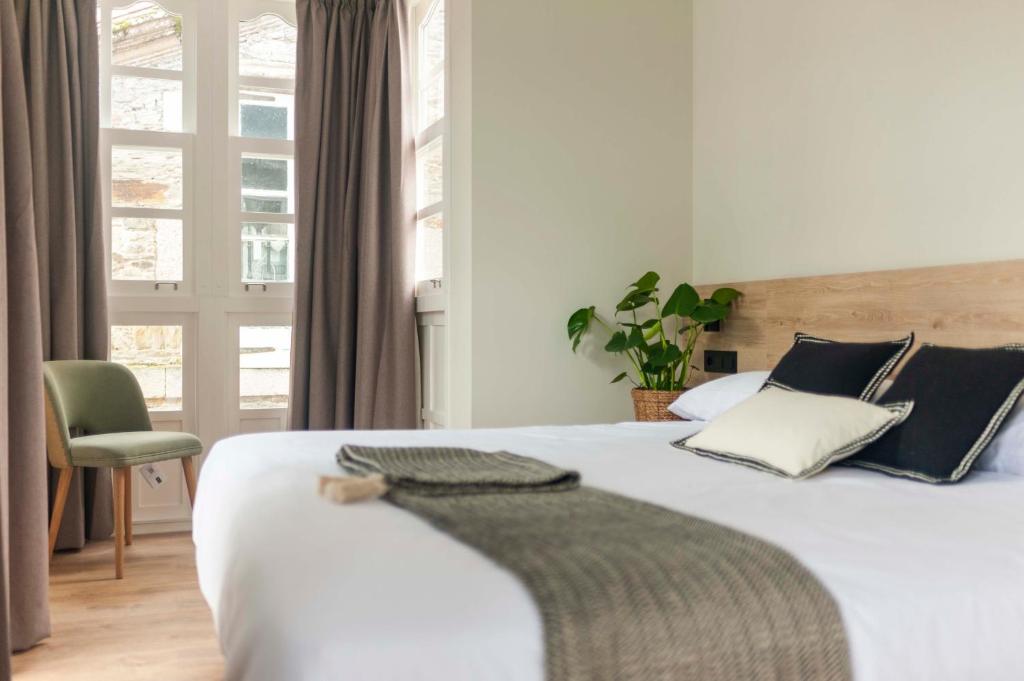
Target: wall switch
[[151, 475], [720, 361]]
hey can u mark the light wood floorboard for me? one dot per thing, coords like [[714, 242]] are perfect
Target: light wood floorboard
[[152, 625]]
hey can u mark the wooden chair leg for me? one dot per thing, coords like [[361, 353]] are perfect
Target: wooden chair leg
[[128, 506], [190, 479], [63, 485], [119, 476]]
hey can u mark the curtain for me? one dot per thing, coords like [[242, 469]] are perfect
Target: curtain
[[354, 338], [61, 62], [24, 618]]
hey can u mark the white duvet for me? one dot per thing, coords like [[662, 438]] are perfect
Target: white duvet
[[929, 579]]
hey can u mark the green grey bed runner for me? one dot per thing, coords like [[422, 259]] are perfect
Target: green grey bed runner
[[627, 591]]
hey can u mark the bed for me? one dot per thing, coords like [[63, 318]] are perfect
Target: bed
[[929, 580]]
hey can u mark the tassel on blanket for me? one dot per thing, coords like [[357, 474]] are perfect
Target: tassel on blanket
[[349, 490]]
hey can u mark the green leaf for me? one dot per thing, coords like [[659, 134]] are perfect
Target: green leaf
[[725, 295], [709, 312], [682, 301], [633, 300], [664, 356], [617, 342], [619, 377], [636, 338], [653, 331], [579, 323], [647, 283]]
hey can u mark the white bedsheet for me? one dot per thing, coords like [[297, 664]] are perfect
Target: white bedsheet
[[929, 580]]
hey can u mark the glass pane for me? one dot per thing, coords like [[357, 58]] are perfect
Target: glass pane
[[146, 178], [146, 249], [430, 174], [145, 103], [266, 47], [266, 184], [264, 355], [154, 354], [430, 248], [432, 41], [431, 106], [265, 113], [145, 35], [267, 252]]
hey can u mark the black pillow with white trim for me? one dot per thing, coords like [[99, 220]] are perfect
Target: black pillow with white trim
[[828, 367], [961, 397]]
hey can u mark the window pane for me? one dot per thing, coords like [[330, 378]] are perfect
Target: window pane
[[430, 248], [267, 252], [264, 355], [146, 178], [266, 47], [431, 106], [266, 184], [145, 103], [430, 174], [145, 35], [154, 354], [146, 249], [432, 41], [265, 113]]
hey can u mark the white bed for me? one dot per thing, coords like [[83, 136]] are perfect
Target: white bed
[[929, 579]]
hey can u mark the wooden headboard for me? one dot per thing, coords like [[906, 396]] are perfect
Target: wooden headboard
[[973, 305]]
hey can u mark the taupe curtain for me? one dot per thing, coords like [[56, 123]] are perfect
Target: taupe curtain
[[61, 62], [354, 339], [24, 618]]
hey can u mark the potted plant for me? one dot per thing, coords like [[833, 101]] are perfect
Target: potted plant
[[657, 339]]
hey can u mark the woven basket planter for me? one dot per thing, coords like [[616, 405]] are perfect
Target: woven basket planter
[[652, 405]]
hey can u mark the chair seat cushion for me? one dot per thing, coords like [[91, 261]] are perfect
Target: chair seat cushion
[[130, 449]]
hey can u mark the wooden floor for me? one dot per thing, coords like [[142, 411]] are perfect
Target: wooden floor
[[152, 625]]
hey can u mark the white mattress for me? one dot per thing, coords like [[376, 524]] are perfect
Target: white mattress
[[929, 579]]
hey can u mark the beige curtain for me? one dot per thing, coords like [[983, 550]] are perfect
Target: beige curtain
[[24, 618], [61, 61], [354, 344]]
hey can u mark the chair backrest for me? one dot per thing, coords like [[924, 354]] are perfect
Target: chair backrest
[[92, 396]]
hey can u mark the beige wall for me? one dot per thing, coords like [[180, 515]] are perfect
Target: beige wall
[[580, 166], [838, 135]]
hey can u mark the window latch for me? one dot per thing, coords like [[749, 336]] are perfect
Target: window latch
[[247, 289], [158, 284]]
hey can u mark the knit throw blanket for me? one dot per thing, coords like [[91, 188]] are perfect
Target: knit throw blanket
[[627, 591]]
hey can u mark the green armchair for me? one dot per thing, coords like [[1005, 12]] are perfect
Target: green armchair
[[103, 402]]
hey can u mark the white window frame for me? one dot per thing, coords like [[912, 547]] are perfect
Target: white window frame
[[114, 137], [276, 418], [246, 10], [430, 293]]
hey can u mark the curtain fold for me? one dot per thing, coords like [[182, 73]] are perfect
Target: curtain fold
[[354, 338], [24, 619], [61, 65]]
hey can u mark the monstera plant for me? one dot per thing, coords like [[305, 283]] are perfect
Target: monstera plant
[[657, 338]]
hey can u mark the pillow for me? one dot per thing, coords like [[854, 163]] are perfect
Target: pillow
[[794, 434], [710, 399], [1006, 453], [819, 365], [961, 398]]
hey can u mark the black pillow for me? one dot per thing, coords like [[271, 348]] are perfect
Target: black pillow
[[960, 399], [819, 365]]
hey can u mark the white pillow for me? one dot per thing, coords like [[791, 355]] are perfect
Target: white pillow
[[794, 434], [1005, 454], [710, 399]]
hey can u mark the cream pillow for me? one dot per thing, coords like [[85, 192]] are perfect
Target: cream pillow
[[794, 434]]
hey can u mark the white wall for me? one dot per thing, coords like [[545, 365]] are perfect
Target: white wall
[[850, 135], [580, 182]]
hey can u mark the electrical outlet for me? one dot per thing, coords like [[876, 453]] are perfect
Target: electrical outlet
[[151, 474], [720, 361]]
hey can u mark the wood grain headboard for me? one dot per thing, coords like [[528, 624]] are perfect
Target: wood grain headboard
[[973, 305]]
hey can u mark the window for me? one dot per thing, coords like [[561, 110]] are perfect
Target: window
[[264, 355], [429, 54], [155, 356]]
